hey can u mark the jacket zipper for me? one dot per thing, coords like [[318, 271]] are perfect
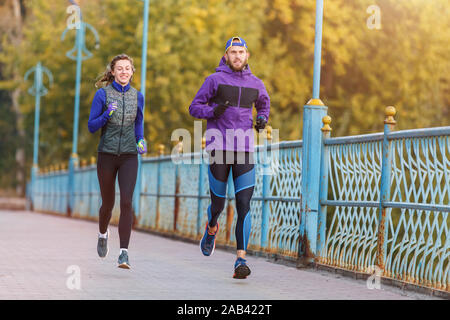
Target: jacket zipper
[[239, 98], [123, 114]]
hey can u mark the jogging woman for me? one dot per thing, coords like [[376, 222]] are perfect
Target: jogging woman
[[117, 111]]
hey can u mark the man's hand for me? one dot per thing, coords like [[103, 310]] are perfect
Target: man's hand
[[220, 109], [142, 146], [111, 108], [260, 123]]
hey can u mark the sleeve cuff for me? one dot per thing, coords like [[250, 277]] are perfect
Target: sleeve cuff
[[261, 116]]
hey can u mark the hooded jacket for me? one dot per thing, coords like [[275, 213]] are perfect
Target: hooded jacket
[[233, 130]]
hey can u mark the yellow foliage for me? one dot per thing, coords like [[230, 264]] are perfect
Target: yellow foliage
[[406, 63]]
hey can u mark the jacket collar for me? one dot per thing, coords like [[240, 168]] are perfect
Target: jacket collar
[[119, 87]]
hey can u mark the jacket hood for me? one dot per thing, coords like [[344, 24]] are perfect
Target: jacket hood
[[223, 67]]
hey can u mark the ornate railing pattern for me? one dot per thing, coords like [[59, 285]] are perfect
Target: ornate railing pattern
[[390, 195]]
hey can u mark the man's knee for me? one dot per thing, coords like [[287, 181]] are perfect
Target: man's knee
[[217, 206], [242, 204]]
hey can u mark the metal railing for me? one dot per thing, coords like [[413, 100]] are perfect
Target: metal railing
[[390, 194], [384, 201]]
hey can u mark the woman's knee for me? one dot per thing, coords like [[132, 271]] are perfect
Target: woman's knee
[[126, 204], [107, 206]]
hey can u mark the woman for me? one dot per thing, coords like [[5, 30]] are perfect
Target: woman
[[117, 109]]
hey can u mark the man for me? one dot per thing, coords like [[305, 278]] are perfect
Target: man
[[226, 99]]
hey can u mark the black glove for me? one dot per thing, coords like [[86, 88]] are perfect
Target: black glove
[[260, 123], [220, 109]]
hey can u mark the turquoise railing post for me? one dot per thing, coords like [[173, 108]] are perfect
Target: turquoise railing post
[[201, 178], [265, 215], [47, 188], [37, 90], [177, 185], [54, 189], [43, 187], [313, 112], [385, 186], [138, 186], [323, 192], [158, 185], [80, 48], [311, 160]]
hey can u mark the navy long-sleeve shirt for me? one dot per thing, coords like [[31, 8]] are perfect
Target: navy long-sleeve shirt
[[98, 118]]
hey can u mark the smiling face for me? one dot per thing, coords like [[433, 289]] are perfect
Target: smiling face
[[237, 57], [122, 72]]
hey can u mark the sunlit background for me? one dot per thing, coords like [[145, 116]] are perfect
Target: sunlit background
[[403, 61]]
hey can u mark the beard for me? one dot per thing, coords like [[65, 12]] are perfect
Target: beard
[[242, 67]]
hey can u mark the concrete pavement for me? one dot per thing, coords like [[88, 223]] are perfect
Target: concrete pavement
[[46, 256]]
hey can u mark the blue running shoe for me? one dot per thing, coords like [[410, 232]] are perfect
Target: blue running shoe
[[241, 270], [102, 246], [123, 260], [208, 242]]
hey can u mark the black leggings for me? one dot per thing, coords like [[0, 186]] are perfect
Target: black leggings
[[108, 167], [244, 181]]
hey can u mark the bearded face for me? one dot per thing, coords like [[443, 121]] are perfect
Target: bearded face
[[237, 58]]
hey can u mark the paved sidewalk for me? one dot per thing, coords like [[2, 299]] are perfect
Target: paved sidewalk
[[42, 254]]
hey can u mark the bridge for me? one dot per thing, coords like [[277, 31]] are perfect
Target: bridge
[[368, 206], [373, 207]]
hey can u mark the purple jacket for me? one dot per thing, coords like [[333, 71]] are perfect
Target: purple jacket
[[234, 129]]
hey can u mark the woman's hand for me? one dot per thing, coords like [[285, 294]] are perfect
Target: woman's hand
[[142, 146]]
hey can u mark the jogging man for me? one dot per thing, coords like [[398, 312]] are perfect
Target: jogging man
[[226, 100]]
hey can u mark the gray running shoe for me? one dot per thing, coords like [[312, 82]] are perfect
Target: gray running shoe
[[102, 246], [123, 260]]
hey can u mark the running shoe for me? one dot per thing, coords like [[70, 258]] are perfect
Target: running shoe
[[123, 260], [241, 270], [208, 242], [102, 246]]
